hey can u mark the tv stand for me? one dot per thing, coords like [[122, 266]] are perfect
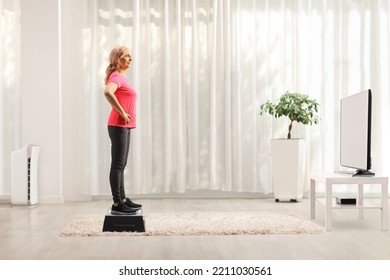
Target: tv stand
[[331, 179], [363, 173]]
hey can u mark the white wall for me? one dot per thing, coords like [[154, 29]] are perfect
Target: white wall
[[40, 85], [52, 98]]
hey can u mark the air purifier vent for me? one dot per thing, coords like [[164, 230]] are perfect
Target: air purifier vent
[[24, 176]]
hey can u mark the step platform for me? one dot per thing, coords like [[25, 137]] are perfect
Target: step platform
[[129, 222]]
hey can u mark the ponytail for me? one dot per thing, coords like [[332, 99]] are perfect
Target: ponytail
[[115, 54], [109, 70]]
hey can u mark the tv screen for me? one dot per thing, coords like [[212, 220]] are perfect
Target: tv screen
[[355, 132]]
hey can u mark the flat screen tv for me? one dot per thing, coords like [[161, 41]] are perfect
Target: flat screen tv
[[355, 132]]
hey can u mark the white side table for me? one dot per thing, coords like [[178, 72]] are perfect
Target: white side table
[[330, 179]]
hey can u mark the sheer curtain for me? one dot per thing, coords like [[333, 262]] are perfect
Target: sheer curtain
[[202, 68], [9, 87], [198, 126]]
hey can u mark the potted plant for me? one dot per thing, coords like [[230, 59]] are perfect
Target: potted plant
[[288, 155]]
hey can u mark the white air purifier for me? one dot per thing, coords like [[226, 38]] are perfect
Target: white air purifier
[[24, 176]]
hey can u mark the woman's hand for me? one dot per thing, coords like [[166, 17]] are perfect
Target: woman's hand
[[126, 117]]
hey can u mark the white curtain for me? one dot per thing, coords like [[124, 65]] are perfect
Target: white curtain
[[197, 73], [202, 68], [9, 87]]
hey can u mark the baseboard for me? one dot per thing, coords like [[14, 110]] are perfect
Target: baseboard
[[50, 199], [201, 194], [5, 199]]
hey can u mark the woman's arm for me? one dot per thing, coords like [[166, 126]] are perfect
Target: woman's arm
[[110, 96]]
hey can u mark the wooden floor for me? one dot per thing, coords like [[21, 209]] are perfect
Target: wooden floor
[[33, 233]]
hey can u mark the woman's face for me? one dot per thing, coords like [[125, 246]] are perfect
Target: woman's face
[[125, 60]]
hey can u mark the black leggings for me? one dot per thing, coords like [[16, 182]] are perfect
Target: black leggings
[[120, 144]]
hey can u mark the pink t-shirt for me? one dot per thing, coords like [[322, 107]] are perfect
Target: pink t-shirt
[[127, 98]]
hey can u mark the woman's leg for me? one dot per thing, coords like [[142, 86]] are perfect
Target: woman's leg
[[120, 140], [122, 183]]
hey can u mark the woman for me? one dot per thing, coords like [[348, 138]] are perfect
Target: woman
[[122, 119]]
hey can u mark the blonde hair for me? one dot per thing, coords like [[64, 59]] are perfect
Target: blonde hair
[[115, 55]]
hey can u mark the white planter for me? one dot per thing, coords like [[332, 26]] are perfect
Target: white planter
[[288, 168]]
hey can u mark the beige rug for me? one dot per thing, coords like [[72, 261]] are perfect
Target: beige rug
[[200, 223]]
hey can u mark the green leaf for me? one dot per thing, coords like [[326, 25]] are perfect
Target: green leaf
[[295, 106]]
